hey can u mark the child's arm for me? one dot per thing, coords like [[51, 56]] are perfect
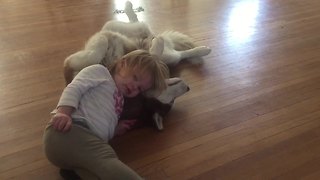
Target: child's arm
[[71, 96], [86, 79], [124, 126], [62, 121]]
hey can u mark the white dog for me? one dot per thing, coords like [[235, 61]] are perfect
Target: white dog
[[117, 38]]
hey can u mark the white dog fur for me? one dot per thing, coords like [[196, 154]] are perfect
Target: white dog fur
[[117, 38]]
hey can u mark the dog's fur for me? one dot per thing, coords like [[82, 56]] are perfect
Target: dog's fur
[[117, 38]]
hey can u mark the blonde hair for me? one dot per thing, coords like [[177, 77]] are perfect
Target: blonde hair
[[145, 62]]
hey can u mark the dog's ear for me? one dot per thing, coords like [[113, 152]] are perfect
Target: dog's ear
[[172, 81], [157, 46], [178, 88]]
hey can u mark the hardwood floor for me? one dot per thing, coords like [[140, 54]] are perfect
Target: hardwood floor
[[252, 113]]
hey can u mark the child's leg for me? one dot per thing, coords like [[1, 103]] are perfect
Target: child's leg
[[111, 169], [88, 155]]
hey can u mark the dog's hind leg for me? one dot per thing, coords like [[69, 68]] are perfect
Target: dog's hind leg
[[173, 57], [132, 16], [93, 53], [195, 52], [194, 55], [79, 60]]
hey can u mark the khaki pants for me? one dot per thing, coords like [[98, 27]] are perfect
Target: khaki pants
[[85, 153]]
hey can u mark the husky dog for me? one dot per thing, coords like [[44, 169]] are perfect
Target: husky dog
[[151, 111], [117, 38]]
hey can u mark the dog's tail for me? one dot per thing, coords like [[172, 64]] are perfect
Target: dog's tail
[[132, 16]]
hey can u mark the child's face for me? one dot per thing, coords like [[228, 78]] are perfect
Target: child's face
[[131, 82]]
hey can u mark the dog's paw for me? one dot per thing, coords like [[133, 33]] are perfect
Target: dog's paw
[[203, 50], [75, 59]]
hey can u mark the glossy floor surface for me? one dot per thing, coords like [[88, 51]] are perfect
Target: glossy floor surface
[[252, 113]]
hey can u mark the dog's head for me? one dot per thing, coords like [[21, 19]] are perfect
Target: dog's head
[[176, 87], [162, 104]]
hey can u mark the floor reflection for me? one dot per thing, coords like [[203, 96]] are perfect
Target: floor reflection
[[242, 21]]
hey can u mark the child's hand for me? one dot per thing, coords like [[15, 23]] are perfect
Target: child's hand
[[61, 122], [124, 126]]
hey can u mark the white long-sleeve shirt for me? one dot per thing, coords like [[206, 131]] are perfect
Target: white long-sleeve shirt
[[96, 100]]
